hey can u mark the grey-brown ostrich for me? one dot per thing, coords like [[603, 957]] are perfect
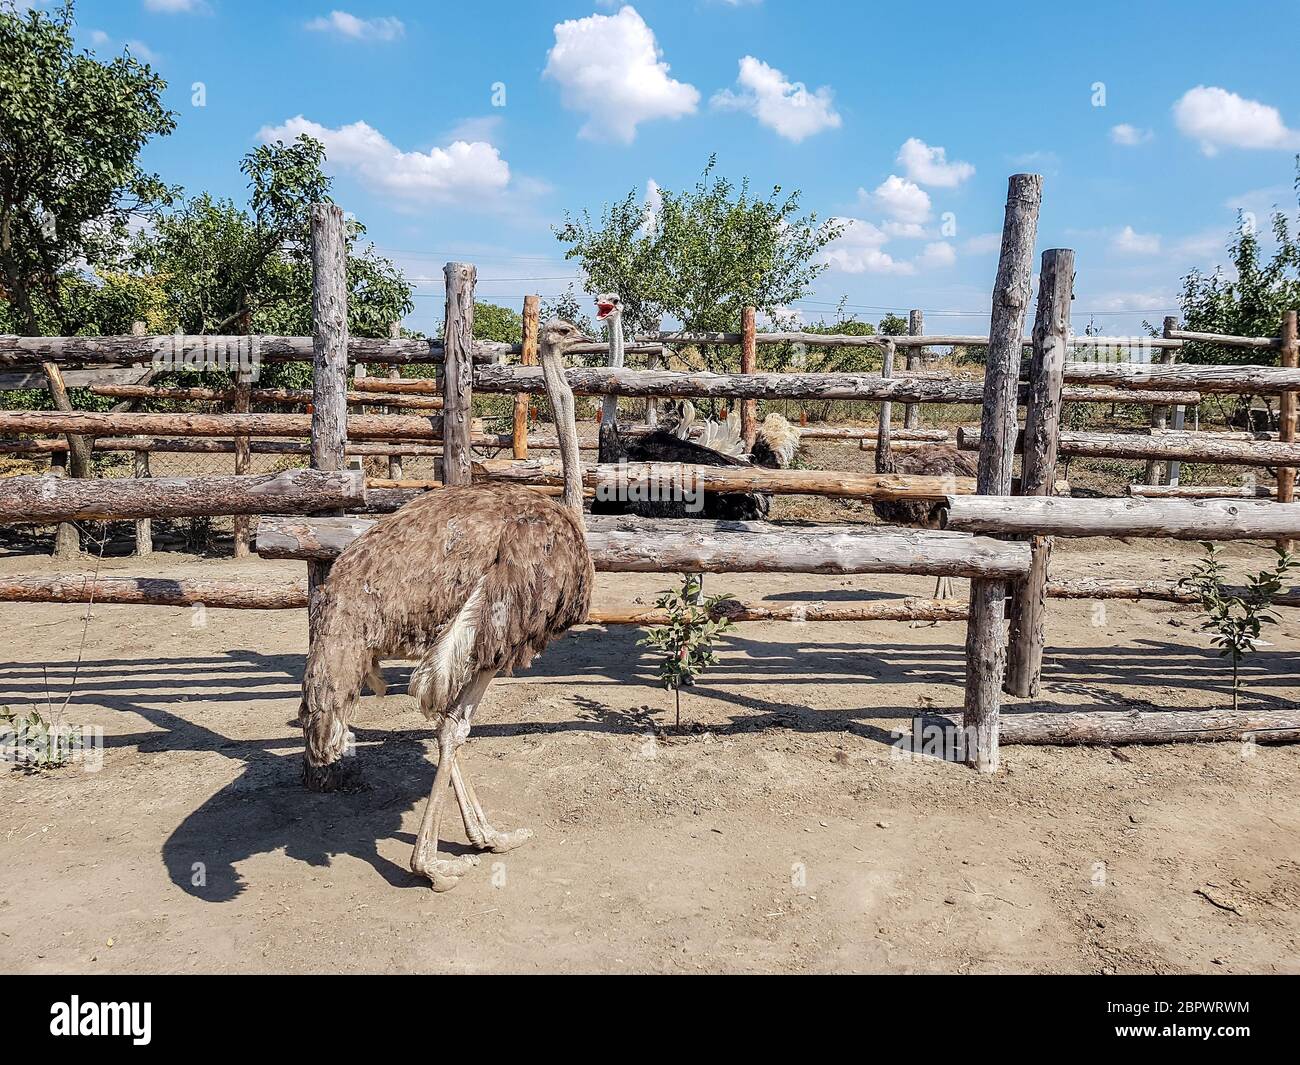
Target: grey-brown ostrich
[[471, 581]]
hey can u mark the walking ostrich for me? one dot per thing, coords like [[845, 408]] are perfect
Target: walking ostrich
[[935, 460], [670, 441], [472, 581]]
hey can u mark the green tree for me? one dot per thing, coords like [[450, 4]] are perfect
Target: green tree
[[700, 256], [494, 322], [71, 131], [1249, 300]]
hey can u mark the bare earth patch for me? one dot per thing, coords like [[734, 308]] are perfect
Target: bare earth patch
[[782, 834]]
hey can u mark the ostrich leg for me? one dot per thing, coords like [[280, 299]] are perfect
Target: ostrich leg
[[445, 873], [480, 833]]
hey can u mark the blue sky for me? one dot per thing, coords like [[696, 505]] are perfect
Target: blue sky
[[1151, 122]]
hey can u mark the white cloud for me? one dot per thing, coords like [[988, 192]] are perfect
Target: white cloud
[[779, 104], [463, 172], [1133, 302], [143, 52], [1218, 119], [610, 67], [343, 24], [937, 255], [1129, 242], [902, 200], [1129, 136], [982, 244], [857, 250], [175, 7], [904, 230], [929, 165]]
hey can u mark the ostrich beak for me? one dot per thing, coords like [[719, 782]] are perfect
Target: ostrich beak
[[604, 310]]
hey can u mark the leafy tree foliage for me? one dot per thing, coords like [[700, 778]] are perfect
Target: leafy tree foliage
[[71, 132], [1249, 300], [701, 255], [502, 324]]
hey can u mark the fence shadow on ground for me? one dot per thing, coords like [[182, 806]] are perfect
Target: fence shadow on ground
[[265, 809]]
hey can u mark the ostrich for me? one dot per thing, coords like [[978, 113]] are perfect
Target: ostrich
[[670, 441], [472, 581], [935, 460]]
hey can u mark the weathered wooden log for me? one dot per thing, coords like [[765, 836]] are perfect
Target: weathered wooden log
[[210, 446], [749, 365], [1244, 380], [1120, 588], [1202, 491], [846, 340], [629, 545], [673, 480], [371, 427], [1028, 603], [1107, 728], [1289, 357], [907, 608], [601, 381], [458, 374], [17, 379], [1168, 444], [329, 417], [153, 591], [986, 629], [1222, 339], [286, 396], [222, 352], [44, 500], [1086, 394], [1180, 519]]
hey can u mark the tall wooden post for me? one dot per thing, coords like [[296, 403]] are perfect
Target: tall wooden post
[[329, 306], [527, 357], [242, 404], [748, 364], [143, 526], [394, 374], [458, 373], [1038, 465], [1286, 430], [915, 327], [986, 629], [1160, 415], [885, 419]]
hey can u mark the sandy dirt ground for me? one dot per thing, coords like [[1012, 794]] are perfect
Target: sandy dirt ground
[[784, 833]]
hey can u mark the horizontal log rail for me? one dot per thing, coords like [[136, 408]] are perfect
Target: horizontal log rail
[[1243, 380], [1179, 519], [213, 446], [637, 545], [1225, 448], [89, 423], [636, 479], [1086, 394], [296, 396], [906, 340], [45, 500], [1109, 728], [1222, 339], [1168, 591], [153, 591], [1203, 491]]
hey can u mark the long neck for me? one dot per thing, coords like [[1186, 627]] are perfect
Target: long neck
[[566, 426], [609, 405], [884, 443]]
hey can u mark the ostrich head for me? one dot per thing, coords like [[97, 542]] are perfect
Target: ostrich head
[[608, 306], [557, 337]]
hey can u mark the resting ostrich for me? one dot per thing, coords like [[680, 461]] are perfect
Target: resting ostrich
[[670, 441], [472, 581], [934, 460]]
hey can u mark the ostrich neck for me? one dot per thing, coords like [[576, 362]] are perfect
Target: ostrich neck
[[560, 396], [609, 405]]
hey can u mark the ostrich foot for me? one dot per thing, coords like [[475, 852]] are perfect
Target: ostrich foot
[[500, 842], [443, 873]]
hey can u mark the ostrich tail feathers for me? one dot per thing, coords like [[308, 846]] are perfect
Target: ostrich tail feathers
[[447, 667], [724, 437]]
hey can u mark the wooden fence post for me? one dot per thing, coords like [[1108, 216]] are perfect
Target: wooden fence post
[[748, 364], [915, 327], [458, 373], [395, 374], [1160, 415], [143, 526], [885, 418], [329, 419], [527, 357], [1038, 466], [986, 652], [1288, 357], [242, 404]]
